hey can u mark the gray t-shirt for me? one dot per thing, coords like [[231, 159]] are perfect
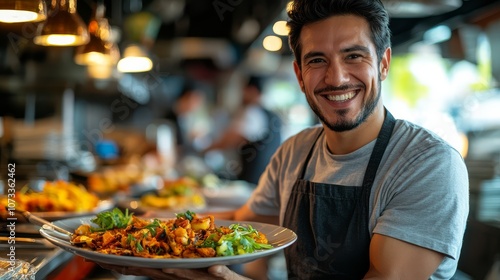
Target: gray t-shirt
[[420, 194]]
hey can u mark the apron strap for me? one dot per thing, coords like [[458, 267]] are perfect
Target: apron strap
[[378, 151], [309, 154]]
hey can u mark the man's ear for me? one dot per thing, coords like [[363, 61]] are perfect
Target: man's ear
[[298, 75], [385, 64]]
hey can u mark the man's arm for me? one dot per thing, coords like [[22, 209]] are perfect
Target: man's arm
[[246, 214], [391, 258]]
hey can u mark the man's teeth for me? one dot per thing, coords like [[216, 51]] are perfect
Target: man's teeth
[[342, 97]]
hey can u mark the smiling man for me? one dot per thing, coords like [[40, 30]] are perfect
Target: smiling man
[[369, 196]]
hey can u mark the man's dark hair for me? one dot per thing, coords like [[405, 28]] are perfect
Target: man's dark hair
[[304, 12], [257, 82]]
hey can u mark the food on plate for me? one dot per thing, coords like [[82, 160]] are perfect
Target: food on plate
[[113, 179], [56, 195], [187, 236], [178, 194]]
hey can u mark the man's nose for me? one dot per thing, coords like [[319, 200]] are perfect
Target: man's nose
[[336, 74]]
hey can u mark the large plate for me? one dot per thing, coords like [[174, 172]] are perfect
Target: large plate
[[103, 205], [279, 237]]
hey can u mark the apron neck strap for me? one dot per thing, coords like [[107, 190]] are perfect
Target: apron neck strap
[[378, 151]]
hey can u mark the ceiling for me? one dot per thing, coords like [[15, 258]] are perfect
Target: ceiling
[[214, 24], [479, 12]]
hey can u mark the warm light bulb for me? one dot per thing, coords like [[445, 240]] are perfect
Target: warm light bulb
[[15, 16], [16, 11], [134, 64], [97, 58], [134, 60], [60, 39], [280, 28], [272, 43]]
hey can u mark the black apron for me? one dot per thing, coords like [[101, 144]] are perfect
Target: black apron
[[331, 221], [255, 156]]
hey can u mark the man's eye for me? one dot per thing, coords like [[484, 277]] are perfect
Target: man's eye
[[315, 60], [353, 56]]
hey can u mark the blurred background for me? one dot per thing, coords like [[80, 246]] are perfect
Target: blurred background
[[71, 107]]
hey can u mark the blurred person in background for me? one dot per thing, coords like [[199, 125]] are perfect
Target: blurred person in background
[[369, 196], [254, 133], [191, 117]]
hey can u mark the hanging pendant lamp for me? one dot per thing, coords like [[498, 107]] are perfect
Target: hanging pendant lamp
[[63, 26], [135, 60], [99, 50], [15, 11]]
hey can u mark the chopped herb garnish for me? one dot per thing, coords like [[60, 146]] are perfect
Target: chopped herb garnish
[[138, 246], [152, 227], [240, 241], [111, 219], [130, 238], [209, 242], [188, 215]]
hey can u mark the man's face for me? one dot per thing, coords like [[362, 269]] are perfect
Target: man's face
[[340, 73]]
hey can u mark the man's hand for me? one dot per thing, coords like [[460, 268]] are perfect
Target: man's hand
[[213, 272]]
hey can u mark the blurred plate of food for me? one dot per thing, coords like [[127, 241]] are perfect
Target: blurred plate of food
[[228, 193], [175, 195], [129, 179], [55, 200]]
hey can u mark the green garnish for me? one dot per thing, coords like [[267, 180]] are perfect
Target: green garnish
[[152, 226], [240, 241], [188, 215], [209, 242], [138, 246], [130, 238], [111, 219]]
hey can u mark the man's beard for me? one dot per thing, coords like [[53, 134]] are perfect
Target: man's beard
[[344, 124]]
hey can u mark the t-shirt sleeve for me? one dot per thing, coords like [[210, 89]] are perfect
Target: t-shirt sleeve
[[428, 201]]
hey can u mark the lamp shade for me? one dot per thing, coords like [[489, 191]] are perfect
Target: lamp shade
[[63, 26], [100, 50], [14, 11], [134, 60], [94, 52]]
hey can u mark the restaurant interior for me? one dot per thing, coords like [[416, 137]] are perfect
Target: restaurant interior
[[92, 112]]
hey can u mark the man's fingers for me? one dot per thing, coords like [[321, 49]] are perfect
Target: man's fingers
[[138, 271], [213, 272], [224, 272], [188, 273]]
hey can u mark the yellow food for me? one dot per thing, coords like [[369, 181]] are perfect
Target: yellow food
[[182, 193], [56, 196], [115, 179]]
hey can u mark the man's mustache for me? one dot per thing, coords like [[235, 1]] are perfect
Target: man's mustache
[[338, 88]]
